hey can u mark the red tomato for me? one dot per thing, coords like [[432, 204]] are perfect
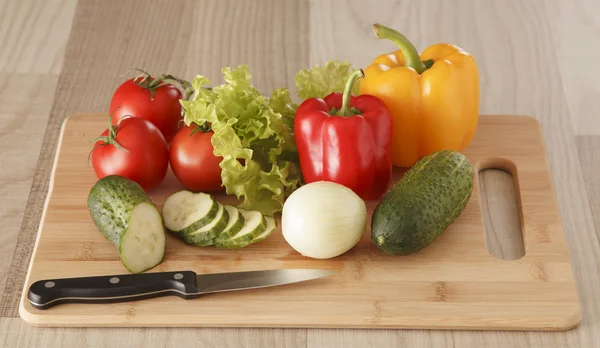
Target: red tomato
[[146, 159], [193, 162], [135, 99]]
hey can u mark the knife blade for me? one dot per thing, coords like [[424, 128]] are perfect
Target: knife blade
[[44, 294]]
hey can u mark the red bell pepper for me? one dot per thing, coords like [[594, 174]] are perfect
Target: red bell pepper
[[347, 140]]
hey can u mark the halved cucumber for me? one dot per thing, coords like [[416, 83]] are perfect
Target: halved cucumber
[[254, 224], [205, 235], [143, 245], [271, 226], [185, 212], [235, 224], [124, 213]]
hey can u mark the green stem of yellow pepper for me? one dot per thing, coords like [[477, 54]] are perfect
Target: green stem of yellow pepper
[[345, 109], [411, 55]]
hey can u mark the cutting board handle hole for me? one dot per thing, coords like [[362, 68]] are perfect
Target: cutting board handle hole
[[500, 200]]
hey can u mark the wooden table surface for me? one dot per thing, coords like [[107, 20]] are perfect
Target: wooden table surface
[[60, 57]]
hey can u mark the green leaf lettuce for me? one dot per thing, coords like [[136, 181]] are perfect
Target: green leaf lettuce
[[255, 134], [321, 80]]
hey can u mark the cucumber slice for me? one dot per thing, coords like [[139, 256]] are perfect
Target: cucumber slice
[[271, 226], [205, 236], [143, 244], [126, 216], [184, 211], [235, 224], [254, 224]]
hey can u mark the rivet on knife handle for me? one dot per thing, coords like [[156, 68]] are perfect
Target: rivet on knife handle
[[44, 294]]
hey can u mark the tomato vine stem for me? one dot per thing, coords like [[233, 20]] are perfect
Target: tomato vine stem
[[145, 80]]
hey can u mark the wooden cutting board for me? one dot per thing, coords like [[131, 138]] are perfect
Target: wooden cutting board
[[452, 284]]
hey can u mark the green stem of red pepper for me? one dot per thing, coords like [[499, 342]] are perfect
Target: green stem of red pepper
[[411, 55], [345, 109]]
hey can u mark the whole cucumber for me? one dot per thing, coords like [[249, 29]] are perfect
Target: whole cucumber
[[421, 206]]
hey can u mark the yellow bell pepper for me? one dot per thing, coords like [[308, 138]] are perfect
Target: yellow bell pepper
[[433, 98]]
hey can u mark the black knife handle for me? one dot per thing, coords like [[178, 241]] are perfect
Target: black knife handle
[[44, 294]]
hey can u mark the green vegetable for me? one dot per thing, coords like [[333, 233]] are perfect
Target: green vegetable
[[205, 236], [186, 212], [321, 80], [254, 225], [126, 216], [255, 134], [252, 133], [419, 207], [234, 225], [200, 220], [271, 226]]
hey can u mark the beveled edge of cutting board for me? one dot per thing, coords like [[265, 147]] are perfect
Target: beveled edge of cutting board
[[27, 316], [563, 323]]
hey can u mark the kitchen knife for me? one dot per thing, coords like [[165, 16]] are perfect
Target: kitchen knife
[[44, 294]]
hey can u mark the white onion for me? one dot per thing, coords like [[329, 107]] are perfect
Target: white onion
[[323, 219]]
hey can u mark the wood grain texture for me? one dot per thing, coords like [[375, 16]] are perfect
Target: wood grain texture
[[26, 101], [34, 35], [103, 53], [519, 70], [576, 38], [501, 214], [535, 58], [13, 330], [153, 51], [589, 154], [453, 283]]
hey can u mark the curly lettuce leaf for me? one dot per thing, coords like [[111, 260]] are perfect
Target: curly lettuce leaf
[[321, 80], [199, 108], [253, 134], [281, 102]]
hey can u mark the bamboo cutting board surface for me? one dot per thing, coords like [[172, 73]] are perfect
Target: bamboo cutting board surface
[[452, 284]]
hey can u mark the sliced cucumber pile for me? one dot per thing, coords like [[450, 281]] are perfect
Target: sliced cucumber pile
[[255, 224], [206, 234], [270, 227], [126, 216], [185, 212], [234, 225], [200, 220]]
